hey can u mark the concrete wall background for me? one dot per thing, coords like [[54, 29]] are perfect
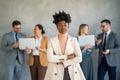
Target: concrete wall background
[[31, 12]]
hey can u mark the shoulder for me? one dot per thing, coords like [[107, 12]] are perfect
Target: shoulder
[[24, 35], [100, 34], [7, 34], [54, 38], [45, 38], [114, 34], [72, 38]]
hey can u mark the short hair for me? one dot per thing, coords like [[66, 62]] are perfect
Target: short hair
[[40, 28], [16, 22], [106, 21], [81, 27], [61, 16]]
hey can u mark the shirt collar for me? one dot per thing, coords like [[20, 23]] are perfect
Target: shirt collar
[[15, 33], [38, 38], [108, 32]]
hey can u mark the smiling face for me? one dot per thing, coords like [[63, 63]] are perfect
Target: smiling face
[[37, 31], [63, 27], [85, 30], [17, 28]]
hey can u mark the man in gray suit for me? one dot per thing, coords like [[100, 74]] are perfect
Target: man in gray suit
[[14, 56], [108, 43]]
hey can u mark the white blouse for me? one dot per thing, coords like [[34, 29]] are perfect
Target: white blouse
[[37, 44]]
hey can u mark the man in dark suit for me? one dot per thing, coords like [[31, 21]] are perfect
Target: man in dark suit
[[108, 43], [14, 56]]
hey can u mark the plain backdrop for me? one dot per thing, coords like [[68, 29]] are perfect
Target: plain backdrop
[[32, 12]]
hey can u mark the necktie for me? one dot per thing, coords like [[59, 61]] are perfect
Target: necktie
[[104, 44], [16, 37]]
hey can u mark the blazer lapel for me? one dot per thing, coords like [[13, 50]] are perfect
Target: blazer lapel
[[108, 39], [56, 46], [12, 37], [42, 42], [67, 45]]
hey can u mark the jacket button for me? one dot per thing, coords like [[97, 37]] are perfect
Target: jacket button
[[75, 72], [55, 73]]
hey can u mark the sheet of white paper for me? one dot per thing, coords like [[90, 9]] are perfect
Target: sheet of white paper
[[26, 42], [85, 40]]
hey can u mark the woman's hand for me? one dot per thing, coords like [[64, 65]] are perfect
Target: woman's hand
[[71, 56], [28, 50], [87, 47], [41, 49]]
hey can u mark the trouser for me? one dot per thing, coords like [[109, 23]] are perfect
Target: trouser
[[37, 71], [66, 74], [103, 68], [14, 71]]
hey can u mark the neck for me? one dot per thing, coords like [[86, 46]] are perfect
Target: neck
[[63, 35], [38, 35], [15, 32], [82, 34]]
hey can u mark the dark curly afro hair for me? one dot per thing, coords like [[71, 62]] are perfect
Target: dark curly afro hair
[[61, 16]]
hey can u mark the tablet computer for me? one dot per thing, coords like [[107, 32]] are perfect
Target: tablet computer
[[26, 42], [85, 40]]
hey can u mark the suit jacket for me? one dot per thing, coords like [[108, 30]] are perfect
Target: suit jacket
[[55, 71], [42, 56], [10, 52], [113, 44]]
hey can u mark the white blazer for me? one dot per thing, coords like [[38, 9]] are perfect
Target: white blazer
[[56, 71]]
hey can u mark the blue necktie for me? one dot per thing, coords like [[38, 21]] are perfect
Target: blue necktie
[[16, 37]]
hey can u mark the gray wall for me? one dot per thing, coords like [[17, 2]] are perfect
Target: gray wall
[[31, 12]]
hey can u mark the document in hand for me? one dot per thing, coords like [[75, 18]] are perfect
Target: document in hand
[[26, 42], [85, 40]]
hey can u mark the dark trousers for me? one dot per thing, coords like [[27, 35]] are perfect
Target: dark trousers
[[66, 74], [37, 71], [103, 68]]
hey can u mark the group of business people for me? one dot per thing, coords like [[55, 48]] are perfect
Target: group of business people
[[61, 57]]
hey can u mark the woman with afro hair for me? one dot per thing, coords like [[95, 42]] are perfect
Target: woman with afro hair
[[63, 53]]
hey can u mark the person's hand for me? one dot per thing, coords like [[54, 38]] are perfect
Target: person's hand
[[16, 45], [38, 48], [98, 41], [87, 47], [106, 52], [71, 56], [60, 63], [41, 49], [27, 49]]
